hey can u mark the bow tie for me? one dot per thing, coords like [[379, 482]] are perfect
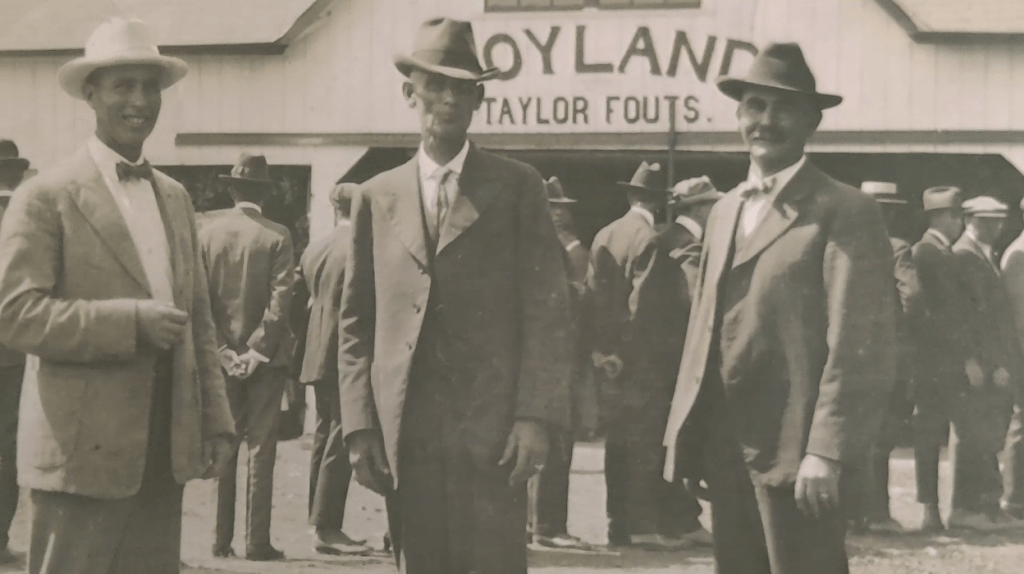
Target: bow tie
[[751, 189], [128, 172]]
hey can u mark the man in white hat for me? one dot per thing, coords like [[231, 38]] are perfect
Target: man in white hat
[[102, 284], [984, 405], [1013, 461], [455, 355]]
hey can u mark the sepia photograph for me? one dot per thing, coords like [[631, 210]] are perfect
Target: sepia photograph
[[511, 286]]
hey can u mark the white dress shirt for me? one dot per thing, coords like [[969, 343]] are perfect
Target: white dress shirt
[[430, 180], [692, 226], [647, 215], [756, 204], [249, 205], [136, 200]]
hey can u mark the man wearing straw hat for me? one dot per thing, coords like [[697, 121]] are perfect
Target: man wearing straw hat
[[1013, 457], [983, 405], [315, 323], [691, 202], [635, 322], [788, 359], [12, 370], [455, 355], [250, 268], [102, 284]]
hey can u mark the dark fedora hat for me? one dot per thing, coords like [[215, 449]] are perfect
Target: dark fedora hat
[[782, 67], [251, 169], [648, 177], [445, 46], [10, 158], [555, 192]]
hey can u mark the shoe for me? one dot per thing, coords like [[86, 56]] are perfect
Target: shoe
[[387, 542], [9, 557], [699, 537], [223, 551], [885, 526], [618, 539], [932, 521], [263, 554], [1004, 520], [969, 520], [337, 543], [1014, 510], [659, 542], [562, 542]]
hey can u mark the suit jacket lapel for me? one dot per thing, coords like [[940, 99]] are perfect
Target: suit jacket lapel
[[476, 191], [779, 216], [176, 241], [720, 240], [403, 206], [97, 204]]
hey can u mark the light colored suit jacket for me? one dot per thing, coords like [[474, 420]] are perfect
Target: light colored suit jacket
[[501, 285], [70, 276], [801, 316], [316, 305], [251, 269]]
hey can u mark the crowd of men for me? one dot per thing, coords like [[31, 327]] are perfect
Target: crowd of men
[[760, 350]]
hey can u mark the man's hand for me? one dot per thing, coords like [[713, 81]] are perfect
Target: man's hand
[[160, 324], [247, 363], [528, 446], [697, 488], [229, 361], [610, 365], [975, 376], [217, 451], [1001, 378], [366, 453], [817, 486]]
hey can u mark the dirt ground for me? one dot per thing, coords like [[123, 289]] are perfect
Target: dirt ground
[[910, 554]]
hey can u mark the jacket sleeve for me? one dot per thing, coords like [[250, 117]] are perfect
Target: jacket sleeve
[[603, 315], [220, 324], [545, 367], [860, 303], [1013, 278], [299, 319], [217, 419], [978, 312], [907, 283], [356, 324], [274, 327], [34, 319]]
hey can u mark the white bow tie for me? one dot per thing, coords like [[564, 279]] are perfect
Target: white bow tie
[[749, 188]]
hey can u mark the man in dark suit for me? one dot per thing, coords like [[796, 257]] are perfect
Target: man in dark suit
[[455, 357], [943, 348], [314, 315], [12, 371], [983, 407], [549, 488], [868, 498], [788, 359], [1013, 457], [634, 316], [251, 271]]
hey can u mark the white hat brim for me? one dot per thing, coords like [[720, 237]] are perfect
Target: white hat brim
[[73, 74]]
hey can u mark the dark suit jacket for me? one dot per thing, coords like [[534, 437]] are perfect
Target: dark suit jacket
[[940, 324], [989, 314], [8, 357], [684, 250], [908, 293], [251, 271], [316, 304], [800, 322], [500, 287]]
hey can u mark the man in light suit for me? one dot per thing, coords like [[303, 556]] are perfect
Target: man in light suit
[[1013, 457], [251, 271], [102, 284], [945, 351], [788, 359], [12, 371], [984, 406], [314, 317], [455, 356]]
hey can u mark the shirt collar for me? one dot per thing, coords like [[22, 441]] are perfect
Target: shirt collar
[[940, 236], [107, 159], [780, 178], [691, 226], [249, 205], [429, 168], [984, 246], [647, 215]]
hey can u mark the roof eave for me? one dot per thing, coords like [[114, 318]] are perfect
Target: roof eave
[[905, 21]]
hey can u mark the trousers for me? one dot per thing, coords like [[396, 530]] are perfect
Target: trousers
[[1013, 462], [549, 489], [256, 407], [10, 397], [980, 419], [330, 472]]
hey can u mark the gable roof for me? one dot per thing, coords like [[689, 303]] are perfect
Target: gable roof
[[61, 27], [963, 20]]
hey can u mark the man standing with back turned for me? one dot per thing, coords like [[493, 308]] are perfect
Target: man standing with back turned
[[788, 360], [455, 357], [102, 283]]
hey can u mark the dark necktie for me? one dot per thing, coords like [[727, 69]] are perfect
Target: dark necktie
[[128, 172]]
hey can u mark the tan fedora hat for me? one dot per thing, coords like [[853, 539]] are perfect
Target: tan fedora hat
[[118, 42], [884, 192], [556, 194], [695, 191], [445, 46], [648, 177], [782, 67]]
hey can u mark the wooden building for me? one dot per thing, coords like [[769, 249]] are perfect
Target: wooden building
[[588, 89]]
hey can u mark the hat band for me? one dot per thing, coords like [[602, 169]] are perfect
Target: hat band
[[449, 59]]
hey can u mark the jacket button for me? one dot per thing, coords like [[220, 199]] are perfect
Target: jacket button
[[417, 308]]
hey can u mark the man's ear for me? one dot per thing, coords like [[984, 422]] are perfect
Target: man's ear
[[480, 93], [408, 90]]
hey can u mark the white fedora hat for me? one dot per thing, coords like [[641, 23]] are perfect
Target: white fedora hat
[[118, 42]]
